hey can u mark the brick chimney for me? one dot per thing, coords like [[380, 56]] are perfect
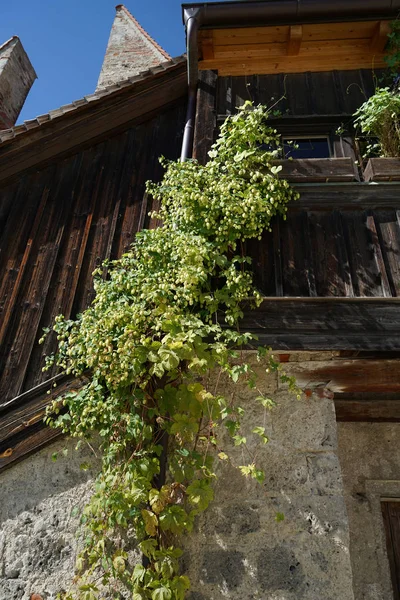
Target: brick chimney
[[130, 50], [16, 78]]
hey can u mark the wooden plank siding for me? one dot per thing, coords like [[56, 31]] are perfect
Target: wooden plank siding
[[62, 222], [321, 324], [329, 253], [330, 272], [293, 49], [299, 94]]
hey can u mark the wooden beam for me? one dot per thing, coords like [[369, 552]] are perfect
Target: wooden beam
[[29, 408], [355, 376], [294, 40], [207, 44], [367, 409], [294, 64], [22, 429], [347, 195], [37, 437], [318, 169], [380, 37], [326, 323], [205, 115], [329, 51]]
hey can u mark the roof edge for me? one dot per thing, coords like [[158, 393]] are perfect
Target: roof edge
[[272, 12]]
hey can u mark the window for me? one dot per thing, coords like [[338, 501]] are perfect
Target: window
[[306, 147]]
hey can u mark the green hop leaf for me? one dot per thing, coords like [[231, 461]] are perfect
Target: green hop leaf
[[150, 522]]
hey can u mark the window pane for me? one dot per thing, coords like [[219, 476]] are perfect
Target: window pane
[[306, 148]]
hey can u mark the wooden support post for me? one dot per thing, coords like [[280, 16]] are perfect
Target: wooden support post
[[205, 116], [380, 37], [294, 40], [207, 45]]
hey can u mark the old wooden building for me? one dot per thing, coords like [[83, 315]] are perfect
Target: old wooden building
[[72, 193]]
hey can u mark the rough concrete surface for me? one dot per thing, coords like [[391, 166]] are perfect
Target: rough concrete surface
[[370, 458], [285, 539], [241, 549], [38, 501]]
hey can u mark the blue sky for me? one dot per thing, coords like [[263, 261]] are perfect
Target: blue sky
[[66, 41]]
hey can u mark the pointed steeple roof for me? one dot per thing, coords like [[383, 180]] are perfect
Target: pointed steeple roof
[[130, 50]]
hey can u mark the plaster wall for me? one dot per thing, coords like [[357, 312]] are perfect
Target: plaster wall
[[370, 459], [242, 548]]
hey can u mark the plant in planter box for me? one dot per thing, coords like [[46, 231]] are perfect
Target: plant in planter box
[[379, 119]]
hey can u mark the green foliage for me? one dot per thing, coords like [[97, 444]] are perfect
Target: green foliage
[[166, 316], [392, 55], [378, 118]]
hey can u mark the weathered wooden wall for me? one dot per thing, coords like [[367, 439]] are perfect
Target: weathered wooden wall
[[299, 94], [346, 252], [58, 224]]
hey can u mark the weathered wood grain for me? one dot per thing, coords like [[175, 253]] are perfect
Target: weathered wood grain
[[94, 121], [325, 96], [326, 323], [318, 170], [382, 169], [205, 115], [65, 220], [31, 441], [29, 408], [377, 410]]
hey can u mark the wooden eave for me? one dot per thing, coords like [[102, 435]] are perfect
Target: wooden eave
[[93, 120], [294, 48]]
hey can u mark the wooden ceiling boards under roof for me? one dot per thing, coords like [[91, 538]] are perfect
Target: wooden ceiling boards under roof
[[294, 48]]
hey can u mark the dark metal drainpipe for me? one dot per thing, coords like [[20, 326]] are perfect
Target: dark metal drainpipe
[[192, 27]]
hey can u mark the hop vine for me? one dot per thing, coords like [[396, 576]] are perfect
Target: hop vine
[[164, 317]]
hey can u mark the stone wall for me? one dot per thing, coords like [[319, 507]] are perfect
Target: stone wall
[[16, 78], [242, 549], [370, 459], [130, 50], [286, 539]]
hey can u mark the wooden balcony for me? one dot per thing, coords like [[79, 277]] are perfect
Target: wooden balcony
[[319, 170]]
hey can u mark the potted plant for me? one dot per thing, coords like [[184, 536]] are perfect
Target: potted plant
[[379, 120]]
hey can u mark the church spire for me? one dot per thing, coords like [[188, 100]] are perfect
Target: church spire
[[130, 50]]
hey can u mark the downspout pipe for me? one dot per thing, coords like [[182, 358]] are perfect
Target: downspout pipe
[[192, 28]]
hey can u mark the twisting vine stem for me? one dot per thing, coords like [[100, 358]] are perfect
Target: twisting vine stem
[[151, 335]]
